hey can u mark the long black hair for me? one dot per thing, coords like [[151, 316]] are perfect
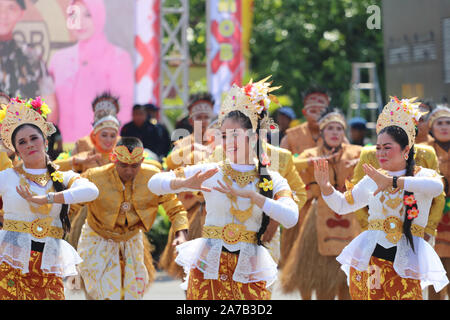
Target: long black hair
[[399, 135], [262, 169], [63, 215]]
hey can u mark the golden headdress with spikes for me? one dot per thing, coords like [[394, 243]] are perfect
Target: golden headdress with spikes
[[251, 100], [403, 113], [19, 112]]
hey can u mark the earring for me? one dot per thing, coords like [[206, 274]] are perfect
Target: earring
[[406, 157]]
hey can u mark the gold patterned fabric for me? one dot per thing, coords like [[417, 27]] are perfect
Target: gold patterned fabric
[[393, 227], [230, 233], [224, 288], [34, 285], [425, 156], [39, 228], [381, 282]]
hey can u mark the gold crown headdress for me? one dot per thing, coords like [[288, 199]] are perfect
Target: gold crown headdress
[[440, 112], [19, 112], [251, 100], [333, 116], [403, 113]]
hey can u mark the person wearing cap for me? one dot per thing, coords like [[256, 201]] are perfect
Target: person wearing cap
[[439, 126], [117, 262], [358, 130], [284, 116]]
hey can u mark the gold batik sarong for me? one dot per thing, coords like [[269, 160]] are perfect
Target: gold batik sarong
[[34, 285], [381, 282], [224, 288], [112, 270]]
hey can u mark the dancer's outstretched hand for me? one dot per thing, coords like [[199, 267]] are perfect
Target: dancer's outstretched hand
[[194, 182], [383, 181]]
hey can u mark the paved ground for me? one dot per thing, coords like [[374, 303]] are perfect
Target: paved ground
[[166, 288]]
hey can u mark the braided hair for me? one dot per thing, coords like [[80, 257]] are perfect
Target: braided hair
[[400, 136], [262, 170], [63, 215]]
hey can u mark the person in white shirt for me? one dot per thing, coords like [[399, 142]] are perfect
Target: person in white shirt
[[229, 261], [36, 196], [390, 260]]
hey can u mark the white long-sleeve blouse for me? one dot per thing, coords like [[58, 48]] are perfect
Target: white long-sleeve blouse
[[254, 262], [58, 256], [423, 263]]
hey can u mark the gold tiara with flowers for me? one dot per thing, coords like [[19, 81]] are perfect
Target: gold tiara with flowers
[[251, 100], [332, 117], [403, 113], [19, 112]]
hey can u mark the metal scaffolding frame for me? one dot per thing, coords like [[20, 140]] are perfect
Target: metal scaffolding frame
[[174, 56]]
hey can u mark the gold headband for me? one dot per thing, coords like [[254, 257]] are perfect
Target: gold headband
[[19, 112], [439, 112], [332, 117], [106, 122], [122, 154], [403, 113]]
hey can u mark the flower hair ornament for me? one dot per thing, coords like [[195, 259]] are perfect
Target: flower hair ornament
[[19, 112], [122, 154], [251, 100], [403, 113]]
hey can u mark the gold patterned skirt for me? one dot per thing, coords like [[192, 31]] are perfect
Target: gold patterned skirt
[[34, 285], [225, 288], [381, 282]]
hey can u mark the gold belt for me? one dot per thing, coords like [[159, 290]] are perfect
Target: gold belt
[[38, 228], [231, 233], [392, 226]]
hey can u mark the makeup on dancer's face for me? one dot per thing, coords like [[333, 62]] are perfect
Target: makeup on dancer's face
[[30, 144], [333, 134], [389, 153], [235, 141], [107, 138]]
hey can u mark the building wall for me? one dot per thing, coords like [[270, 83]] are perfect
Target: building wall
[[415, 48]]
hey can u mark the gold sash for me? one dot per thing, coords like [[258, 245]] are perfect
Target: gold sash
[[231, 233], [393, 227], [38, 228]]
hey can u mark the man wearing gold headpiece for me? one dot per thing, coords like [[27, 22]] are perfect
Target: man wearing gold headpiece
[[439, 125], [391, 259], [311, 265], [116, 262]]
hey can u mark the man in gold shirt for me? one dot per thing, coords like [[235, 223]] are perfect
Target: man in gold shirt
[[425, 156], [116, 263]]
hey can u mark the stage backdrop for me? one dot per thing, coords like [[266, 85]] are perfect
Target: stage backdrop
[[229, 25], [87, 47]]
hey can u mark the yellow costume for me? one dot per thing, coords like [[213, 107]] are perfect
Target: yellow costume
[[312, 264], [115, 263]]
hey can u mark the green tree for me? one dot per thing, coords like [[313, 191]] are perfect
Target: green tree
[[313, 42]]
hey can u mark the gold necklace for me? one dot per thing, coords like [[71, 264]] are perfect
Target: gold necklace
[[241, 178], [41, 179], [241, 215], [42, 209]]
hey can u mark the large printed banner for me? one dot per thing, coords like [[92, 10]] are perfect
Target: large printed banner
[[70, 51], [229, 30]]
